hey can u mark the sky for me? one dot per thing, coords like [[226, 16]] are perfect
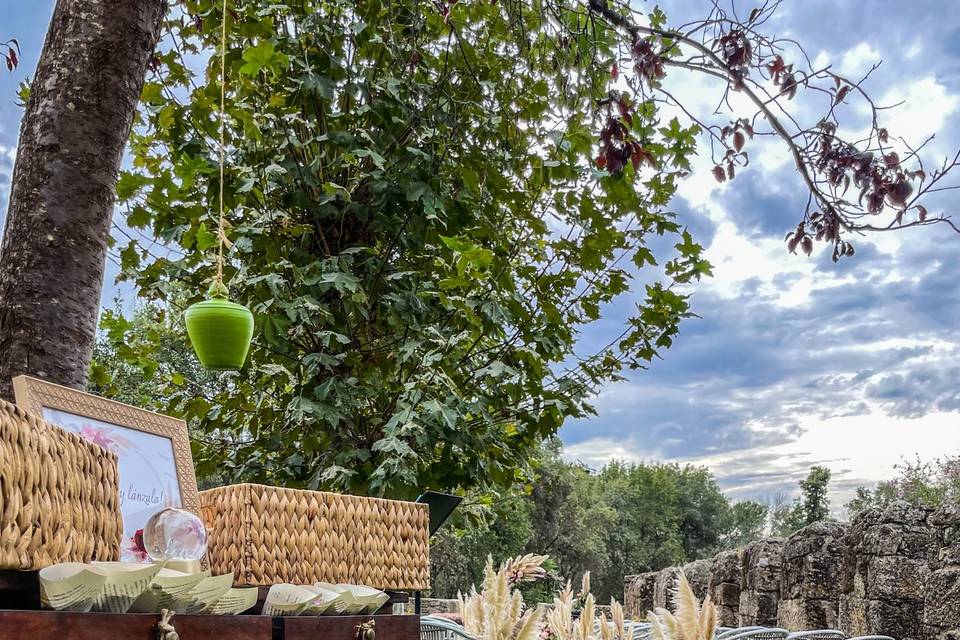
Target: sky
[[794, 360]]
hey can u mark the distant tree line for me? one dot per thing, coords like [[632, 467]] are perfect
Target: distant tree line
[[622, 519], [632, 518]]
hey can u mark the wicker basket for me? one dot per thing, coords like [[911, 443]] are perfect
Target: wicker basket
[[267, 535], [60, 495]]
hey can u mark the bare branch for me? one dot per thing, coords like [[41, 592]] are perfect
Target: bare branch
[[733, 50]]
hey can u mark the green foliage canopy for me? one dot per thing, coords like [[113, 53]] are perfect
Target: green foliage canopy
[[747, 522], [625, 519], [417, 224]]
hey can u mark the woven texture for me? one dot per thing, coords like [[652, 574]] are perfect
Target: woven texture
[[268, 535], [60, 495]]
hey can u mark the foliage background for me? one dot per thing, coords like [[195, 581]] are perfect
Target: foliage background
[[417, 222]]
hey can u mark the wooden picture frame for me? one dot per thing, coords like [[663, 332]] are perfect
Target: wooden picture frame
[[104, 422]]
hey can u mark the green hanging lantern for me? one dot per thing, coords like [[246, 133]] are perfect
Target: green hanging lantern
[[220, 331]]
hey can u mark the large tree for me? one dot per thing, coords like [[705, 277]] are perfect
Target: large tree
[[418, 226], [78, 117], [429, 201]]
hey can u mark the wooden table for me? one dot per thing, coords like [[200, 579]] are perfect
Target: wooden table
[[21, 590], [21, 619], [57, 625]]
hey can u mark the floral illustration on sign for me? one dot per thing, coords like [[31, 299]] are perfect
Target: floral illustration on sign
[[104, 437], [133, 549]]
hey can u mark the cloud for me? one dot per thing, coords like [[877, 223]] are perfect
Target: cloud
[[748, 374], [927, 104], [918, 391], [791, 348], [858, 60], [776, 196], [858, 449]]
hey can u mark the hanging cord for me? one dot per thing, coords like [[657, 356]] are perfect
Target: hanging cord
[[218, 284]]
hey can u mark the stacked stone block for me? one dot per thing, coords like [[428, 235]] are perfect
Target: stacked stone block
[[885, 571], [698, 575], [892, 571], [638, 595], [725, 587], [665, 588], [810, 577], [760, 583], [941, 611]]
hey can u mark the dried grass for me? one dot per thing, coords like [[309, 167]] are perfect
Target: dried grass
[[498, 611], [690, 620]]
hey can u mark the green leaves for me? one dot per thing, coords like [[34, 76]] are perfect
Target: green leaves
[[205, 237], [471, 262], [322, 86], [129, 184], [263, 57], [138, 217]]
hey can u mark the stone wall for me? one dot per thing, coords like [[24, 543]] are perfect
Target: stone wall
[[893, 571], [725, 587], [647, 591], [664, 590], [698, 575], [638, 595]]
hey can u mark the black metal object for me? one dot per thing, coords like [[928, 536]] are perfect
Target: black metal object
[[441, 506], [19, 589]]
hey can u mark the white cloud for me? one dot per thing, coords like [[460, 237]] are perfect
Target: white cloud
[[858, 60], [7, 156], [860, 450], [599, 451], [927, 105], [769, 155], [797, 384], [737, 259], [914, 50]]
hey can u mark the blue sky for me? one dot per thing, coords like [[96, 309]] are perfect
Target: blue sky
[[795, 361]]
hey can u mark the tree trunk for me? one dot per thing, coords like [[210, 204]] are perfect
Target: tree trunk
[[78, 117]]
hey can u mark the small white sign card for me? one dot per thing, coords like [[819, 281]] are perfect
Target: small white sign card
[[153, 451]]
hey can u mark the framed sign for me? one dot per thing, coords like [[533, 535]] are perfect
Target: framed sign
[[153, 451]]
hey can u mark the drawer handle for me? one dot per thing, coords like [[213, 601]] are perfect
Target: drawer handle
[[367, 630], [165, 629]]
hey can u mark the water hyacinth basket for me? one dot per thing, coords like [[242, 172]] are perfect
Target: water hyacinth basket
[[60, 495], [268, 535]]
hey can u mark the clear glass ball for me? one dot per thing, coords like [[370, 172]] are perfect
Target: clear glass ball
[[174, 534]]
